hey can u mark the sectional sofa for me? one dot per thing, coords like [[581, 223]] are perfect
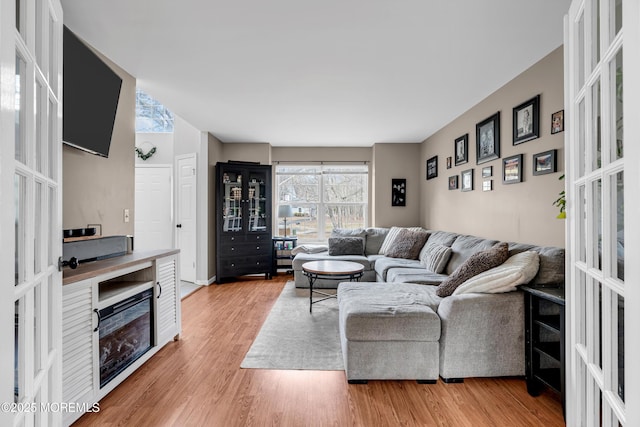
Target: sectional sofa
[[393, 324]]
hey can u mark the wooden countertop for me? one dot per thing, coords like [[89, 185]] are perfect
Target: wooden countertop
[[96, 268]]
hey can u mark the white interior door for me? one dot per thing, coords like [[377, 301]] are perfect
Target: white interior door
[[154, 208], [30, 224], [600, 201], [186, 193]]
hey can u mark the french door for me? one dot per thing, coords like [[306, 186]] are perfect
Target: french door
[[30, 227], [602, 190]]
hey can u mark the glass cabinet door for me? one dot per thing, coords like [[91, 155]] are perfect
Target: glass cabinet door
[[257, 201], [232, 201]]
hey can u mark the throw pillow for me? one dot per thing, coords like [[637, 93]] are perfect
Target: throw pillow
[[517, 270], [408, 244], [346, 246], [474, 265], [391, 237], [349, 232], [375, 239], [434, 257]]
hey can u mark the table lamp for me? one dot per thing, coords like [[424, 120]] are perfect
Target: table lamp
[[285, 211]]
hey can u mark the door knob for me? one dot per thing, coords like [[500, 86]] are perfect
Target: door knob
[[178, 225]]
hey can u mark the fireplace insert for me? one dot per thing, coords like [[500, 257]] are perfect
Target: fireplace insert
[[126, 333]]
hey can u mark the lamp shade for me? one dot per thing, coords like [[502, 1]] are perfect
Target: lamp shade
[[285, 211]]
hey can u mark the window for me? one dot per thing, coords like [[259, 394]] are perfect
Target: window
[[322, 197], [152, 116]]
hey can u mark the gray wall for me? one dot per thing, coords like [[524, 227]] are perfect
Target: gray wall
[[516, 212], [96, 190]]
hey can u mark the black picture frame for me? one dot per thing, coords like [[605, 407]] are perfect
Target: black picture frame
[[467, 180], [461, 149], [432, 167], [526, 121], [398, 192], [487, 185], [545, 162], [557, 122], [453, 182], [512, 169], [488, 139], [449, 162]]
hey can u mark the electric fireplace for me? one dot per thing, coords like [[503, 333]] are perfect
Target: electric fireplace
[[126, 333]]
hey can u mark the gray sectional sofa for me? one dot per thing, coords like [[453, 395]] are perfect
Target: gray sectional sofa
[[393, 325]]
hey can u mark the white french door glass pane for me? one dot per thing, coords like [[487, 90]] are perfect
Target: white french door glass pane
[[21, 9], [39, 110], [17, 370], [595, 35], [617, 99], [616, 17], [582, 151], [20, 106], [618, 356], [20, 188], [51, 139], [597, 327], [53, 55], [617, 193], [40, 5], [581, 215], [596, 152], [582, 386], [52, 239], [51, 309], [581, 48], [596, 229], [37, 328], [37, 236], [581, 301]]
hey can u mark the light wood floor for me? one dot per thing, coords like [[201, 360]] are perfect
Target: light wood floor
[[197, 381]]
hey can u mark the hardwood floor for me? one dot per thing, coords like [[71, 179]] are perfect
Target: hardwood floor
[[197, 381]]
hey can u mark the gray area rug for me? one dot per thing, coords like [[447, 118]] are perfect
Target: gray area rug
[[293, 338]]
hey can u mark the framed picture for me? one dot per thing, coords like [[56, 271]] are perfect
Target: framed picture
[[487, 185], [488, 139], [544, 163], [467, 180], [432, 167], [453, 182], [461, 149], [526, 121], [398, 192], [449, 159], [557, 122], [487, 171], [512, 169]]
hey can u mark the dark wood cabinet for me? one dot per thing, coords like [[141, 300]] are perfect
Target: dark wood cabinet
[[544, 339], [243, 220]]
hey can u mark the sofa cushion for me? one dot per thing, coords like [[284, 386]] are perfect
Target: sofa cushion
[[420, 276], [475, 264], [374, 240], [551, 271], [517, 270], [463, 247], [388, 312], [383, 264], [408, 244], [435, 256], [391, 237], [346, 246]]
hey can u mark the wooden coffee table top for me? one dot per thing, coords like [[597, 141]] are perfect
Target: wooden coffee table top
[[331, 268]]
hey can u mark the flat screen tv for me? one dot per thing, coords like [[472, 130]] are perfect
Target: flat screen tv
[[90, 97]]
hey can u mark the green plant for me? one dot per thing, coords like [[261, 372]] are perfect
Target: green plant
[[561, 203]]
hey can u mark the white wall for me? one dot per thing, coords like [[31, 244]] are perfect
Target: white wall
[[164, 148]]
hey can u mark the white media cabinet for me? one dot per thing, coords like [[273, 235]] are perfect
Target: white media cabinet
[[96, 285]]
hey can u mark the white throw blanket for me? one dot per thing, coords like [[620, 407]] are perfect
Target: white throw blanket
[[309, 249]]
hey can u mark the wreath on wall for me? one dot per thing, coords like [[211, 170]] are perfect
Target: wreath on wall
[[148, 154]]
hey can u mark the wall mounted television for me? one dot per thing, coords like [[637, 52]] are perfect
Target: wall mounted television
[[90, 97]]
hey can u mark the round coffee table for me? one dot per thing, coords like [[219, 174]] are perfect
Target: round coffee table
[[332, 270]]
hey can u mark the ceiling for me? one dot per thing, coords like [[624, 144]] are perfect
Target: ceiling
[[320, 73]]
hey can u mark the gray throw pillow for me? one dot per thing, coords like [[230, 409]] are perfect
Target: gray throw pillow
[[346, 246], [375, 239], [475, 264], [434, 257], [408, 244]]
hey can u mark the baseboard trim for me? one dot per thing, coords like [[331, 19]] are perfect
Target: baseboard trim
[[206, 282]]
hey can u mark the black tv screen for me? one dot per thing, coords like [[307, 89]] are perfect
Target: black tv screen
[[90, 97]]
